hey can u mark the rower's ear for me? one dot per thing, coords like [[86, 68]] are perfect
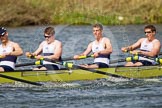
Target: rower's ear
[[7, 33], [154, 32]]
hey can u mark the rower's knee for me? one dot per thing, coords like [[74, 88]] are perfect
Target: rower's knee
[[129, 64]]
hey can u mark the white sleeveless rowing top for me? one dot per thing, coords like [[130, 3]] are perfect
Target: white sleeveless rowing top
[[8, 60], [48, 49], [147, 46], [99, 47]]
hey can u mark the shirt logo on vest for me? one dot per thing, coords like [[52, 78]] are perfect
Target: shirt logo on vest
[[96, 49], [145, 45], [4, 50], [46, 47]]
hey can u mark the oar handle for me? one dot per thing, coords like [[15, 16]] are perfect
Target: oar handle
[[30, 55], [80, 57], [83, 57], [130, 52]]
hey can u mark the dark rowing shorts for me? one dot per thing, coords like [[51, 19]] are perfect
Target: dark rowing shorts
[[102, 65], [146, 63], [49, 67], [7, 68]]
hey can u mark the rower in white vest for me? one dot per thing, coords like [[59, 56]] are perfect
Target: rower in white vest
[[9, 51], [50, 48], [149, 47], [101, 48]]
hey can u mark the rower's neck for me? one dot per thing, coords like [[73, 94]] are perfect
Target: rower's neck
[[150, 40], [99, 39], [4, 44]]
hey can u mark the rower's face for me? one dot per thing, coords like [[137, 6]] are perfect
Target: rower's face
[[149, 34], [97, 32], [49, 38], [4, 38]]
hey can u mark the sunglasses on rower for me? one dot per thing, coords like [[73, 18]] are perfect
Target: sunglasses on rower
[[3, 35], [47, 36], [148, 32]]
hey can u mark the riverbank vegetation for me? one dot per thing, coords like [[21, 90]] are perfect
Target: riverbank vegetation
[[108, 12]]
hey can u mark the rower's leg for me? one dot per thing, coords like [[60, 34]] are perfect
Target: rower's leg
[[1, 69], [92, 66], [42, 68], [129, 64], [138, 64]]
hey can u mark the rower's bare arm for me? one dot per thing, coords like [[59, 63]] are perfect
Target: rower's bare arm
[[17, 51], [39, 50], [133, 46], [155, 51], [108, 47], [86, 52], [58, 52]]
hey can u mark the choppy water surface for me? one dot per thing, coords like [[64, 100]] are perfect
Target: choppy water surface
[[109, 93]]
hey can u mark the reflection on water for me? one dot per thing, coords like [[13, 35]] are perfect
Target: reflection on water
[[110, 93]]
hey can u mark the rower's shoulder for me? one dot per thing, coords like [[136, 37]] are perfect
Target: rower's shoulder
[[156, 41], [57, 41], [13, 43], [43, 43], [106, 39], [142, 39]]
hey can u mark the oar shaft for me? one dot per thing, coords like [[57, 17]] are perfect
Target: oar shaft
[[21, 80], [39, 62], [80, 57], [116, 61], [101, 72], [25, 64]]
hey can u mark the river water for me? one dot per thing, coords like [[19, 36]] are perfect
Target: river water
[[108, 93]]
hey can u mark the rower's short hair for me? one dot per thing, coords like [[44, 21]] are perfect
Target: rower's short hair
[[49, 31], [153, 29], [98, 26]]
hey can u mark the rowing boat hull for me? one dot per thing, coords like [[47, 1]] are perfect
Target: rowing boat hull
[[78, 74]]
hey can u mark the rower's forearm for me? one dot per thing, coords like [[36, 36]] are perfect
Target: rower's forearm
[[16, 53], [150, 54], [105, 52], [129, 48], [52, 57]]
